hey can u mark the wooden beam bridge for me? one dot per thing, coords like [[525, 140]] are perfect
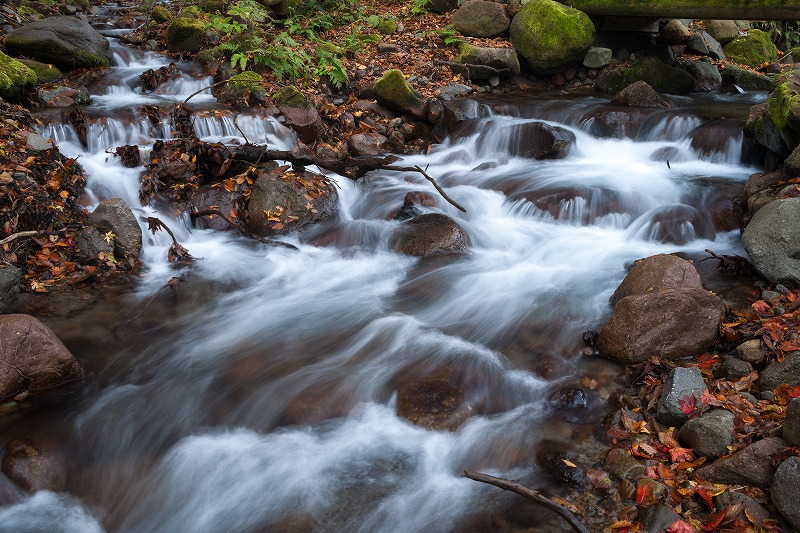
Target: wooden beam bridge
[[706, 9]]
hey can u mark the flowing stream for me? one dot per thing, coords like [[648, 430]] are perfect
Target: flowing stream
[[262, 396]]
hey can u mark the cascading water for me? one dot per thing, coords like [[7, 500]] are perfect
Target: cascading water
[[263, 397]]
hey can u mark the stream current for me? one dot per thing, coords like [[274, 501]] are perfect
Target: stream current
[[262, 396]]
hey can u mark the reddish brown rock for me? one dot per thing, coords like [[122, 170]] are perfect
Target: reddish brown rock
[[639, 94], [657, 272], [34, 359], [668, 323], [367, 144], [305, 121], [431, 234], [35, 464], [443, 399]]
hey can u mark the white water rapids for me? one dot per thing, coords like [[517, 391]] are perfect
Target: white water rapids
[[264, 397]]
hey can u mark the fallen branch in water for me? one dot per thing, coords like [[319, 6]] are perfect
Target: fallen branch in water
[[172, 284], [176, 251], [229, 220], [515, 487], [732, 264], [416, 168]]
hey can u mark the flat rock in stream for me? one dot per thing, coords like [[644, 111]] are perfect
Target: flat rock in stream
[[666, 323], [34, 359]]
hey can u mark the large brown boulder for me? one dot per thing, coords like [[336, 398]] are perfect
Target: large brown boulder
[[34, 359], [481, 18], [657, 272], [281, 202], [431, 234], [668, 323], [36, 464]]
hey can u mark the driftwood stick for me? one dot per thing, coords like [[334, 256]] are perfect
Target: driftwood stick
[[19, 235], [513, 486], [416, 168], [223, 82]]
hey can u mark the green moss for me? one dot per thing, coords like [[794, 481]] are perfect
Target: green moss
[[746, 79], [752, 50], [662, 78], [290, 96], [160, 14], [331, 48], [386, 27], [190, 12], [25, 11], [783, 108], [44, 72], [204, 57], [213, 6], [185, 34], [14, 76], [549, 35], [393, 91]]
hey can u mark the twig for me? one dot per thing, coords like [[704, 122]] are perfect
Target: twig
[[223, 82], [416, 168], [19, 235], [172, 283], [246, 140], [513, 486]]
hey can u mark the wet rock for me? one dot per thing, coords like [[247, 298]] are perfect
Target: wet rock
[[776, 374], [35, 464], [751, 50], [751, 351], [501, 61], [733, 368], [623, 465], [786, 491], [460, 111], [367, 144], [657, 272], [290, 201], [765, 180], [10, 494], [90, 243], [434, 110], [393, 91], [791, 424], [559, 462], [539, 140], [115, 216], [35, 360], [551, 36], [480, 18], [430, 234], [770, 241], [442, 400], [597, 57], [187, 34], [706, 75], [681, 385], [214, 198], [9, 288], [305, 121], [662, 78], [612, 123], [639, 94], [710, 434], [674, 32], [62, 96], [15, 77], [668, 323], [409, 208], [723, 31], [754, 509], [751, 465], [657, 518], [69, 43], [242, 90], [746, 79]]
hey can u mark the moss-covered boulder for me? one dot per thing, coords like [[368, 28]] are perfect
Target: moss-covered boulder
[[393, 91], [290, 96], [386, 26], [752, 50], [186, 34], [550, 36], [480, 18], [14, 77], [664, 79], [243, 89], [746, 79], [67, 42], [159, 14], [783, 110], [45, 73]]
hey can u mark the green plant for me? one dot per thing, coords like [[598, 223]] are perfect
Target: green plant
[[418, 8], [330, 66], [784, 34], [284, 57], [448, 35]]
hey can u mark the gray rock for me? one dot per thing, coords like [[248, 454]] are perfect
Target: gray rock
[[34, 141], [597, 57], [460, 111], [442, 6], [501, 60], [791, 424], [90, 243], [695, 44], [754, 509], [367, 144], [387, 48], [657, 518], [786, 491], [539, 140], [9, 288], [768, 296], [456, 89], [792, 163], [722, 30], [705, 74], [714, 48], [62, 96], [770, 240], [674, 32], [680, 385], [776, 374], [481, 18], [751, 465], [733, 368], [710, 434], [67, 42], [116, 217]]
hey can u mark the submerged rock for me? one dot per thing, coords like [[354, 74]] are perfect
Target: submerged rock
[[35, 360], [430, 234], [442, 400], [68, 43], [560, 462], [36, 464]]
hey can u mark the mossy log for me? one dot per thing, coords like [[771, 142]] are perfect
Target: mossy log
[[713, 9]]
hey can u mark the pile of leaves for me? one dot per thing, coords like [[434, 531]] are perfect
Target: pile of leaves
[[40, 209]]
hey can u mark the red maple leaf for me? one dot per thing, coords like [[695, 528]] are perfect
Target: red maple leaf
[[679, 526], [761, 307], [688, 404], [681, 455]]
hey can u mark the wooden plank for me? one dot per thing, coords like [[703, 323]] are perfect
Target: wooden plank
[[713, 9]]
